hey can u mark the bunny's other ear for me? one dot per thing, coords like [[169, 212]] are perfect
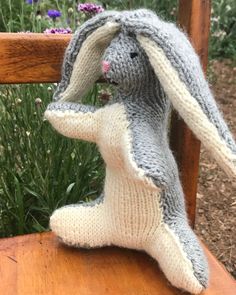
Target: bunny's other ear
[[81, 66], [178, 69]]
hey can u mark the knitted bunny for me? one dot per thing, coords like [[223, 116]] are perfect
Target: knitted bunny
[[152, 65]]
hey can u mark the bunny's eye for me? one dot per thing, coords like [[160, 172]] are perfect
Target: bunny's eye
[[133, 54]]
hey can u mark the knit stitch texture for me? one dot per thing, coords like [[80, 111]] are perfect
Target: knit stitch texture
[[152, 64]]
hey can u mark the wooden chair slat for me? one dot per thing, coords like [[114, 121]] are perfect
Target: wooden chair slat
[[31, 58], [194, 17], [38, 264]]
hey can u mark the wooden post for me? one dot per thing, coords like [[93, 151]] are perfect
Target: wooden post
[[194, 18]]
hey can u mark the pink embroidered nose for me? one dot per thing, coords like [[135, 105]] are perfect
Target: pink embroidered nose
[[105, 66]]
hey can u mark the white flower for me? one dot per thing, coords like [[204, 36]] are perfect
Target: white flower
[[215, 19], [38, 101], [173, 11], [219, 34], [27, 133]]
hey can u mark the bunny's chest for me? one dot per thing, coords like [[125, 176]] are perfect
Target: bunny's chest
[[114, 138]]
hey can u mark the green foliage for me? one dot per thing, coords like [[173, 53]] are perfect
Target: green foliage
[[39, 169], [223, 29], [18, 15], [166, 9]]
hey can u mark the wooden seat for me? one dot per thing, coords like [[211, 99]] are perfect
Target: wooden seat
[[37, 263]]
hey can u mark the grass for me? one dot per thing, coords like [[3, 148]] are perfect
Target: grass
[[39, 169]]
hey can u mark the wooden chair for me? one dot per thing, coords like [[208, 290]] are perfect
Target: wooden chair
[[37, 263]]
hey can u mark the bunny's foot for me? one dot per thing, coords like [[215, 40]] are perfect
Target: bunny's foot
[[180, 257], [81, 225]]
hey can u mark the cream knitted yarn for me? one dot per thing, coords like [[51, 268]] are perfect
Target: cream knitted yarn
[[152, 64], [130, 214]]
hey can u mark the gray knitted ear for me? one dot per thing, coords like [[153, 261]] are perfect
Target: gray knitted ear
[[178, 69], [92, 38]]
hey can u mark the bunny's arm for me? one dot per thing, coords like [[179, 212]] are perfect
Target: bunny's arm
[[74, 120]]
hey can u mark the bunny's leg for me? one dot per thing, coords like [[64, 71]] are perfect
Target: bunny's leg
[[82, 225], [74, 120], [180, 256]]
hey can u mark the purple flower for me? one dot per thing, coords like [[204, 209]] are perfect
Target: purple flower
[[31, 1], [53, 13], [58, 31], [90, 8]]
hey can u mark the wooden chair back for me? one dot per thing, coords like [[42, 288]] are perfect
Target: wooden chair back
[[37, 58]]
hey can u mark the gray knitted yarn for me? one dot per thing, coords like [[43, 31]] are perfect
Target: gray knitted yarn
[[147, 111]]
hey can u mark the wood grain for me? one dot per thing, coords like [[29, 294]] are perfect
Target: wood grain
[[194, 18], [37, 264], [31, 58]]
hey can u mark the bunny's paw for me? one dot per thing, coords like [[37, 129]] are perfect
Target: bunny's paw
[[80, 226]]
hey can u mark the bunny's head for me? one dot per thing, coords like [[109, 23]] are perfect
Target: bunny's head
[[126, 65], [130, 48]]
